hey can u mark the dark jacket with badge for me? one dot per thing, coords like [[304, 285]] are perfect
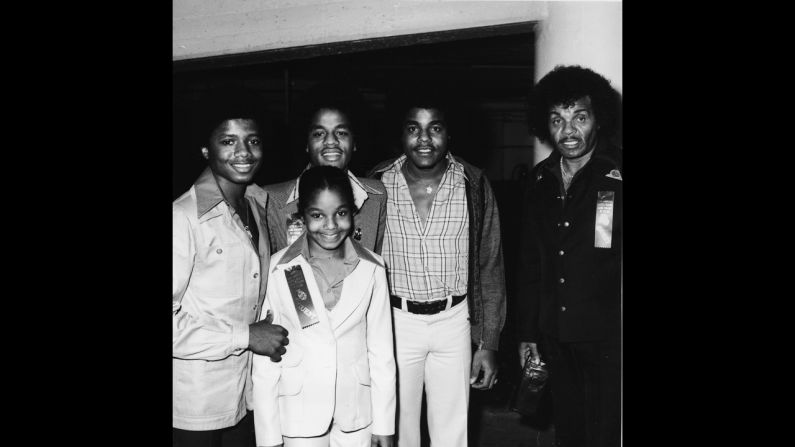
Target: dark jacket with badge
[[486, 287], [368, 222], [570, 257]]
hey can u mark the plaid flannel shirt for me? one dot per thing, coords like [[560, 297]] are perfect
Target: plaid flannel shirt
[[427, 262]]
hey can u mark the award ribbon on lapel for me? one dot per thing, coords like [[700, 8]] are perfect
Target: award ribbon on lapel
[[603, 228], [295, 227], [301, 298]]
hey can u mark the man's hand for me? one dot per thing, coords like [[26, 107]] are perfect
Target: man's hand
[[486, 360], [526, 347], [382, 440], [268, 339]]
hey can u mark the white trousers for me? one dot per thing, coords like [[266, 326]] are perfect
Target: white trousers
[[435, 351], [333, 438]]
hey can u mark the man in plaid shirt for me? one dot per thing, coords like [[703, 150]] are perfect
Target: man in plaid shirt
[[442, 248]]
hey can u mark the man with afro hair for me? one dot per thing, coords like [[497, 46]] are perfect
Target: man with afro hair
[[570, 262]]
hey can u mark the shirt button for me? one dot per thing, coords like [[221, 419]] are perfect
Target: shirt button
[[256, 275], [219, 251], [560, 252], [562, 280], [563, 308], [565, 224]]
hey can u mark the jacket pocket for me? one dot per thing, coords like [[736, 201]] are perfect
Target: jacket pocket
[[363, 391], [292, 378], [362, 371]]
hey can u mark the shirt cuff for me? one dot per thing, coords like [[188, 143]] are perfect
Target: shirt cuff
[[240, 338]]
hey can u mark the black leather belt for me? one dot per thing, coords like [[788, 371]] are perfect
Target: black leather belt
[[425, 307]]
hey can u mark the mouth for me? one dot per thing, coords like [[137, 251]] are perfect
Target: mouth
[[330, 237], [331, 155], [569, 143], [424, 150], [244, 167]]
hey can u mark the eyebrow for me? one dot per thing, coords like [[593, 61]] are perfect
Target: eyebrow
[[318, 126], [552, 112], [442, 122]]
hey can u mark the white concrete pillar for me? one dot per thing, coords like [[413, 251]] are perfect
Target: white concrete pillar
[[585, 33]]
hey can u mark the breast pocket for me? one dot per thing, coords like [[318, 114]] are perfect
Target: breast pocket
[[219, 270]]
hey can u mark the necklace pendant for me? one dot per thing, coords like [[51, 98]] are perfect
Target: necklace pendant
[[428, 189]]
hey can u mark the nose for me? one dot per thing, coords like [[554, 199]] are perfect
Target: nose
[[330, 224], [568, 127], [330, 139], [243, 148], [424, 135]]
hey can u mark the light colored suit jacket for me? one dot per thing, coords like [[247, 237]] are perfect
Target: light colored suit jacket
[[343, 367]]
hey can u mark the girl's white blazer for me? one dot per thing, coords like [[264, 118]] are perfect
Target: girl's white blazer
[[342, 367]]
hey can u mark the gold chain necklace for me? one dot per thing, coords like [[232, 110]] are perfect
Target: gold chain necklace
[[428, 187]]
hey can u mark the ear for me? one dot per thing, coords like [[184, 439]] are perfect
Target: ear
[[205, 153]]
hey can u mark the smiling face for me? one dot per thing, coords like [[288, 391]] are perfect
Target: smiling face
[[328, 220], [330, 141], [234, 151], [573, 128], [424, 137]]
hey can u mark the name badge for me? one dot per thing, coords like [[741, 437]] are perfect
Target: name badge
[[603, 229], [295, 228], [301, 298]]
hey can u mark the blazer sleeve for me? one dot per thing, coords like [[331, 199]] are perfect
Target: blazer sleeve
[[197, 336], [492, 272], [265, 375], [381, 356]]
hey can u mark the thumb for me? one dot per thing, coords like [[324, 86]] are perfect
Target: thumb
[[473, 376], [269, 317], [534, 353]]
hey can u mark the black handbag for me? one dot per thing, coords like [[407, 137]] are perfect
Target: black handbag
[[531, 388]]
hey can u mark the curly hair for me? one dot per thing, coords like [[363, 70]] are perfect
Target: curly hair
[[227, 102], [566, 84]]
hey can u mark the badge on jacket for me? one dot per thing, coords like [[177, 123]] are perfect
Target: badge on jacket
[[603, 227], [295, 227], [615, 173], [301, 298]]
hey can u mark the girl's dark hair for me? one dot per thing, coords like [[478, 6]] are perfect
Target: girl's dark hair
[[321, 178]]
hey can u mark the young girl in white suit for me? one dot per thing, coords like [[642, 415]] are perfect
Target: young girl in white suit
[[335, 385]]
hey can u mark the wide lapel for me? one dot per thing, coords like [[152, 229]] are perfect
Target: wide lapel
[[355, 289], [323, 328], [261, 217]]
